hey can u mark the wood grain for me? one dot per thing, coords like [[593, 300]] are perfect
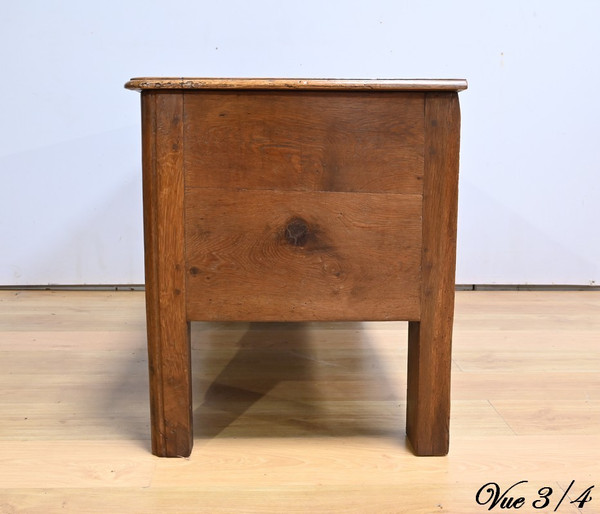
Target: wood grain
[[359, 258], [305, 141], [168, 329], [149, 83], [430, 339]]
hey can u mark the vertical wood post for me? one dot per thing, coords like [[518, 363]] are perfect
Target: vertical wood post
[[168, 328], [430, 339]]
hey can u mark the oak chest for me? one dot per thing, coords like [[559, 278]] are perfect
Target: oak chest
[[297, 200]]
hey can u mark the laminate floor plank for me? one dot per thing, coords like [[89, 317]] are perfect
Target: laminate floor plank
[[296, 417]]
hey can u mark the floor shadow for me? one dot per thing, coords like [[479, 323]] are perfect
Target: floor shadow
[[291, 380], [125, 404]]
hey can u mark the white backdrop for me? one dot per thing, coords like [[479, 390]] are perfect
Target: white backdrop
[[70, 193]]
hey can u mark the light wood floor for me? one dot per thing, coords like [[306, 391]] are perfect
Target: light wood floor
[[296, 418]]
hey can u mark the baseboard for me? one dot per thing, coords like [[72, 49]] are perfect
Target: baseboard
[[459, 287], [525, 287], [77, 287]]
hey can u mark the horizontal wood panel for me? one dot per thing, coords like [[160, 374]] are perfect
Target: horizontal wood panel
[[308, 141], [247, 257]]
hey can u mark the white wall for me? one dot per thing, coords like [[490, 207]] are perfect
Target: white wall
[[70, 195]]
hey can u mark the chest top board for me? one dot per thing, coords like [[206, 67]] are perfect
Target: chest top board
[[300, 200]]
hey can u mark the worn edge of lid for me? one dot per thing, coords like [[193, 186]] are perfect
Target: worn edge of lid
[[146, 83]]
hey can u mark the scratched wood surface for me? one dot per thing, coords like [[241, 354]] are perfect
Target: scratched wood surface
[[293, 256], [305, 141], [296, 417], [207, 83]]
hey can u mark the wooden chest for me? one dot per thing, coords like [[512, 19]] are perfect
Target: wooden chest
[[296, 200]]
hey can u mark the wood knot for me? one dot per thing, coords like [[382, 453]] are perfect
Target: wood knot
[[296, 232]]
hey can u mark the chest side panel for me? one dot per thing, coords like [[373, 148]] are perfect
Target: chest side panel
[[303, 205]]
